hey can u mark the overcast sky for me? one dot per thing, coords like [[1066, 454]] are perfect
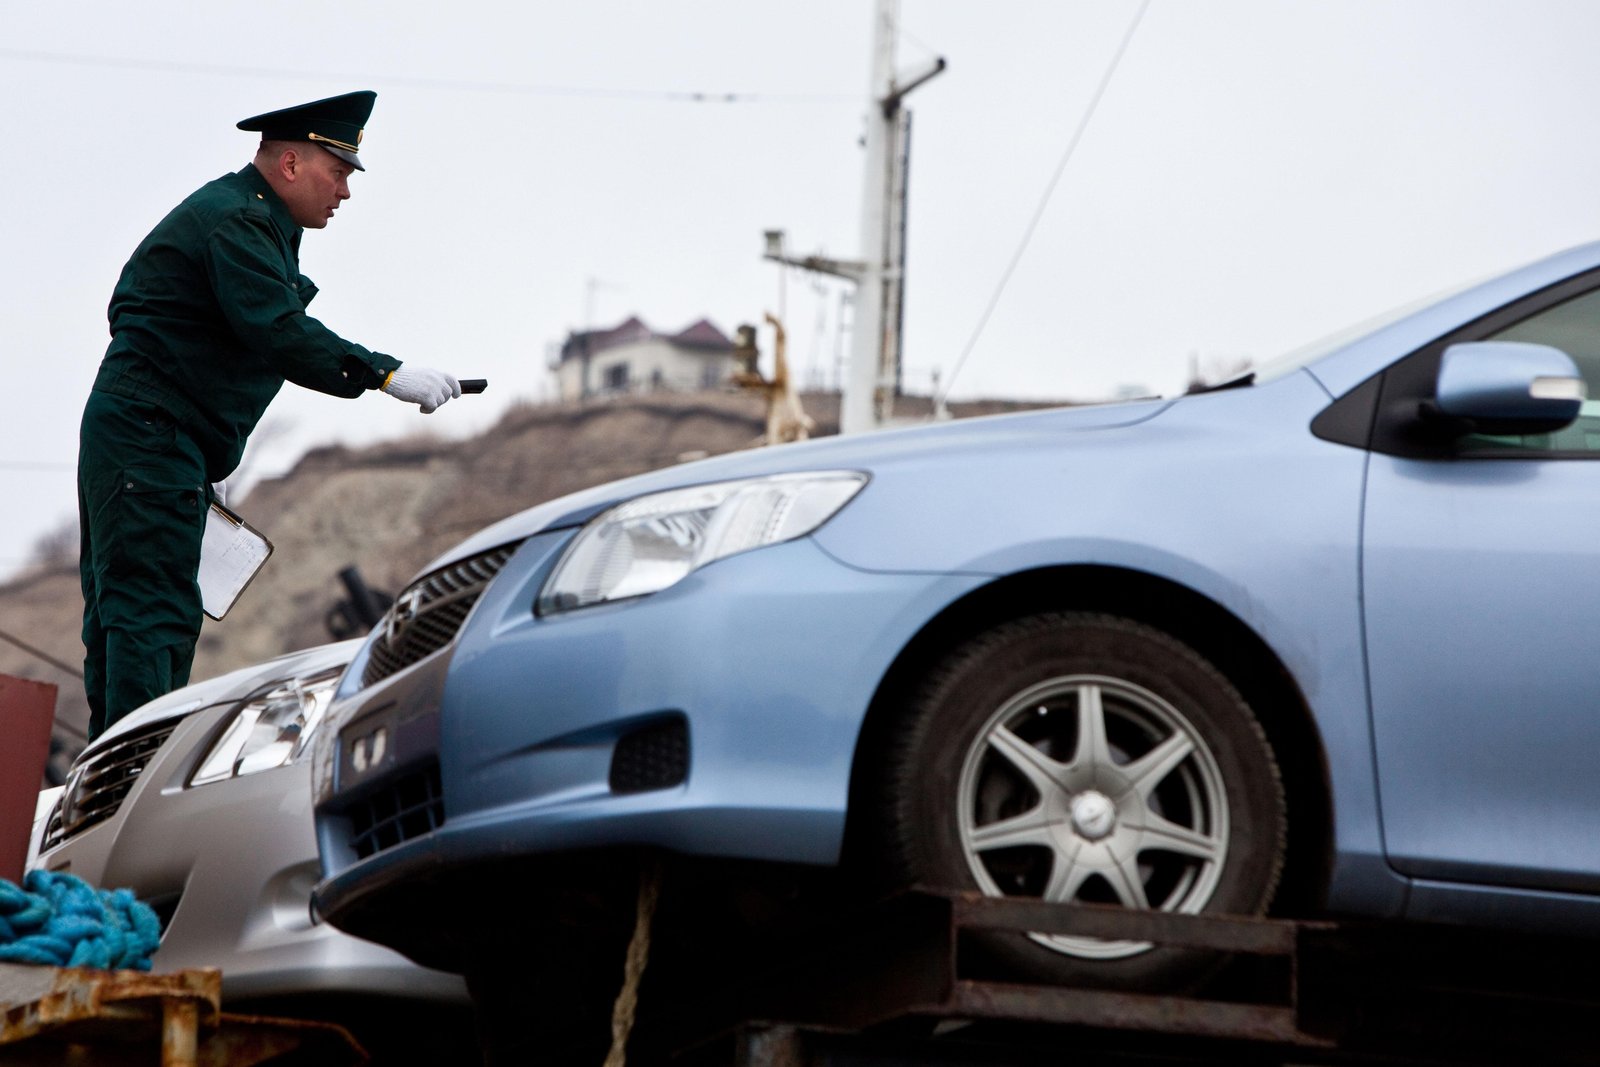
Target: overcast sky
[[1257, 174]]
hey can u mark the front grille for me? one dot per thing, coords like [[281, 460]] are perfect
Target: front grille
[[407, 806], [97, 785], [429, 614]]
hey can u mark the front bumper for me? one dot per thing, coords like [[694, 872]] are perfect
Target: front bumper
[[232, 863], [767, 661]]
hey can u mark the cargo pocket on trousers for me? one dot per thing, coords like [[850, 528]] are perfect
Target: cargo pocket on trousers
[[159, 520]]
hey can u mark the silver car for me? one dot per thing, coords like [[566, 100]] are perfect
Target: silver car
[[200, 802]]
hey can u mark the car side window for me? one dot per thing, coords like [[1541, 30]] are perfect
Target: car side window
[[1574, 327]]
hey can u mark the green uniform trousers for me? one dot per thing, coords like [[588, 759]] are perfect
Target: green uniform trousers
[[142, 500]]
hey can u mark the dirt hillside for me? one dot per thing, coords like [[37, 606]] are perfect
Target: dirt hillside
[[391, 508]]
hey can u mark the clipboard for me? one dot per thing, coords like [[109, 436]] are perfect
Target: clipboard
[[231, 553]]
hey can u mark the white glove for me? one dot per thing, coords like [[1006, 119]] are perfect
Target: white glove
[[219, 492], [428, 389]]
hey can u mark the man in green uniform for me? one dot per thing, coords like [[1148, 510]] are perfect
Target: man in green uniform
[[208, 320]]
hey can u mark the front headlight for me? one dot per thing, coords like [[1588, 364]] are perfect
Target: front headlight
[[269, 730], [651, 542]]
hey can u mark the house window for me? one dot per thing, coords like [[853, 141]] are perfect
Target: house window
[[616, 377]]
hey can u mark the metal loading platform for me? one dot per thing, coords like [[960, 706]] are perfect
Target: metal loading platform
[[892, 986], [73, 1015]]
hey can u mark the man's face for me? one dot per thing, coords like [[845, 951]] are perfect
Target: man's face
[[321, 181]]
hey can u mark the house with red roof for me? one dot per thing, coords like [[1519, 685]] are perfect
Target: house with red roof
[[633, 358]]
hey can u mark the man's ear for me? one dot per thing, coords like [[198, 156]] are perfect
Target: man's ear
[[289, 164]]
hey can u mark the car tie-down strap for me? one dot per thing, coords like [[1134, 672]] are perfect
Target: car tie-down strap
[[59, 920]]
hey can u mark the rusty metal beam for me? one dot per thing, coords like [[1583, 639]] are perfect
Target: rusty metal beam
[[1130, 1011], [116, 1017], [27, 710], [1224, 933]]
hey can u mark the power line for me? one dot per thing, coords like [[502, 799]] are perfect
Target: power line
[[522, 88], [1044, 201], [72, 672], [911, 38]]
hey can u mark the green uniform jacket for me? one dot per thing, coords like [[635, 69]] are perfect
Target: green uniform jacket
[[209, 319]]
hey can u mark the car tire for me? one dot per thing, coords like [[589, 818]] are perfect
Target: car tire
[[1085, 758]]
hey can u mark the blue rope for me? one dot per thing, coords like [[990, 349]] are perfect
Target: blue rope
[[59, 920]]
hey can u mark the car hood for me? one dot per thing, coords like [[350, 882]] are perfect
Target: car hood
[[235, 685], [1338, 366], [861, 452]]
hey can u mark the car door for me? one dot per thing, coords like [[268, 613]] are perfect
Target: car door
[[1481, 599]]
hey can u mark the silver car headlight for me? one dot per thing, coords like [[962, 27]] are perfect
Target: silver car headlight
[[269, 730], [651, 542]]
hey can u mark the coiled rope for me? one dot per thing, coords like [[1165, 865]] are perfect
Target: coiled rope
[[59, 920]]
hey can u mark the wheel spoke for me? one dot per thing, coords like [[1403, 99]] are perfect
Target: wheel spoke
[[1093, 748], [1067, 876], [1150, 769], [1030, 828], [1166, 836], [1128, 883], [1042, 772]]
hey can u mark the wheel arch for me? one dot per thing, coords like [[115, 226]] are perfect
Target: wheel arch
[[1199, 622]]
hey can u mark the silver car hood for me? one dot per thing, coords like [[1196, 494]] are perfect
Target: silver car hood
[[235, 685]]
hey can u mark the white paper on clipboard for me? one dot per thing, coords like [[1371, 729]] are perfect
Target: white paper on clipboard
[[231, 553]]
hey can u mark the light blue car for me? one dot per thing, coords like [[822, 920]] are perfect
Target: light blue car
[[1317, 640]]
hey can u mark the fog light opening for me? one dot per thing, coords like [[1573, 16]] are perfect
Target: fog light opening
[[650, 757]]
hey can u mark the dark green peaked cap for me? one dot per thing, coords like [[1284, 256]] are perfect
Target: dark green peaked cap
[[334, 123]]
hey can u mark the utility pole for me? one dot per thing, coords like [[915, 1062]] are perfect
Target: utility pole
[[873, 375]]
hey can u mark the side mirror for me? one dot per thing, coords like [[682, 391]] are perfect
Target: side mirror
[[1506, 387]]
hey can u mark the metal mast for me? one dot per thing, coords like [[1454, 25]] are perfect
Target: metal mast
[[873, 374]]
